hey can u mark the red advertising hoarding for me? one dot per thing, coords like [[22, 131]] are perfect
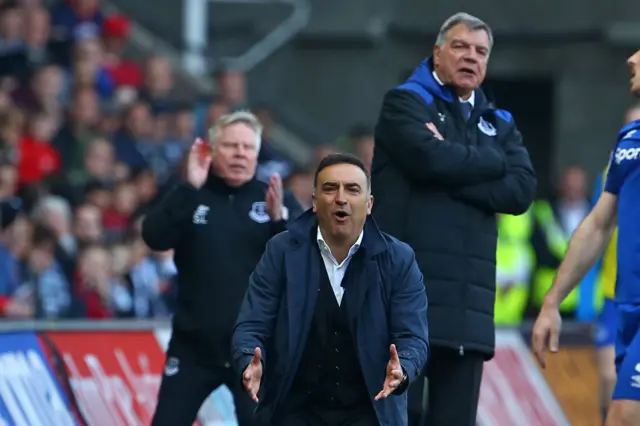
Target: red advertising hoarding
[[513, 390], [115, 376]]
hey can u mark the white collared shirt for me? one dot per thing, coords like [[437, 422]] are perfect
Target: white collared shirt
[[336, 270], [472, 98]]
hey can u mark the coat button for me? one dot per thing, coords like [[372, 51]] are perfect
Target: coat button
[[336, 349], [337, 368]]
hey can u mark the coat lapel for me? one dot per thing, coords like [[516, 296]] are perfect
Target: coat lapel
[[363, 275], [302, 293]]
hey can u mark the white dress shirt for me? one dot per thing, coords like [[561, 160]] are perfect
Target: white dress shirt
[[336, 270], [472, 98]]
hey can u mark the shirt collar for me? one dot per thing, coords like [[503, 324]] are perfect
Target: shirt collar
[[472, 98], [354, 248]]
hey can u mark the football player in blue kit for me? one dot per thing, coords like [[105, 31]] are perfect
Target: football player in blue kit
[[619, 205]]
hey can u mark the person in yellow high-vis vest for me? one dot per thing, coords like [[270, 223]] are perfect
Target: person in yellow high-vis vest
[[514, 260], [553, 226]]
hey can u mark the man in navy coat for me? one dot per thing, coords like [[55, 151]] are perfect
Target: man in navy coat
[[333, 327]]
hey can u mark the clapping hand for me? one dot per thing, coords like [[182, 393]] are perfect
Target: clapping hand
[[395, 375], [198, 163], [275, 198], [253, 375]]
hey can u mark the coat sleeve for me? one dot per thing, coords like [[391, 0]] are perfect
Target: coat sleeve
[[256, 320], [402, 133], [408, 314], [515, 191], [295, 210], [163, 225]]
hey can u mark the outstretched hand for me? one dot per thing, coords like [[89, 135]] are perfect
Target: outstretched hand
[[394, 376], [253, 375]]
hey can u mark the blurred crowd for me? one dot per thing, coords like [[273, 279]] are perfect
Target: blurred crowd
[[89, 140]]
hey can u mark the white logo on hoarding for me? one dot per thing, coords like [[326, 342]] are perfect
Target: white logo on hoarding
[[29, 393], [111, 399]]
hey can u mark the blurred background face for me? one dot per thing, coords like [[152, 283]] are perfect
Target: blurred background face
[[232, 87], [215, 111], [573, 186], [95, 262], [85, 109], [462, 60], [159, 76], [48, 82], [139, 121], [342, 201], [235, 155], [125, 199], [183, 125], [41, 257], [99, 159], [42, 128], [88, 224], [37, 27], [11, 24]]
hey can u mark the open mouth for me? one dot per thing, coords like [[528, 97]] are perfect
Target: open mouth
[[341, 216], [467, 71]]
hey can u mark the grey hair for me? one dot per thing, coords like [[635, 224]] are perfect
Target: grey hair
[[469, 21], [52, 203], [227, 120]]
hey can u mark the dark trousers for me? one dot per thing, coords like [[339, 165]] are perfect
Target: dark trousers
[[183, 392], [453, 388], [321, 416]]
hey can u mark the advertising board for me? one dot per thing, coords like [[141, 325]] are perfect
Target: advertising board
[[115, 376], [29, 392], [514, 392]]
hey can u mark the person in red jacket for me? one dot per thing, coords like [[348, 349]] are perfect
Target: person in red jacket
[[37, 158]]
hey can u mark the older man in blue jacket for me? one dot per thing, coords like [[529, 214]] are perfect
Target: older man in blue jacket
[[333, 327]]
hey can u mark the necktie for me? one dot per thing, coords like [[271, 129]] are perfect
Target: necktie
[[466, 108]]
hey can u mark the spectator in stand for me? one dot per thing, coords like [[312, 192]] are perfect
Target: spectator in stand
[[79, 129], [38, 158], [11, 125], [115, 33], [232, 87], [44, 285], [43, 92], [54, 213], [117, 218], [9, 262], [270, 161], [300, 183], [158, 83], [11, 29], [74, 20], [137, 129], [8, 180]]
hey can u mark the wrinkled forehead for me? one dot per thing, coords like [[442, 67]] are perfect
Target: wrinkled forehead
[[343, 175], [461, 34]]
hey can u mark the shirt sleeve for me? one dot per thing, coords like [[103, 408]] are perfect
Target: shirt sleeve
[[613, 180]]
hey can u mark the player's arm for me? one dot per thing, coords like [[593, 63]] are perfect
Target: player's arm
[[585, 248]]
